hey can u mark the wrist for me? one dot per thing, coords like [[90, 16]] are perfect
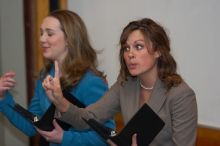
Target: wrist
[[64, 105]]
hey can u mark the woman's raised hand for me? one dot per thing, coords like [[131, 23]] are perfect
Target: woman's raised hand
[[53, 90], [7, 82]]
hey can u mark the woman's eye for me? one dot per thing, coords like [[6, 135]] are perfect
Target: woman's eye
[[126, 49], [139, 47], [50, 34]]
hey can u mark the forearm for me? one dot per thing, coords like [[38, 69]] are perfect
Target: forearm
[[74, 116], [14, 117], [102, 111]]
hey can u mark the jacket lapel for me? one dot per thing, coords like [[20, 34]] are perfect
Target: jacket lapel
[[158, 96]]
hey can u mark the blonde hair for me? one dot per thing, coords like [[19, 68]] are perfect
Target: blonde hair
[[81, 55]]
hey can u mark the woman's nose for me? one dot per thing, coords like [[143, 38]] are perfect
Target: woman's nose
[[42, 38], [131, 54]]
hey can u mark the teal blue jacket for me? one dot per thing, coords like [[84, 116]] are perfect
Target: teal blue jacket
[[89, 89]]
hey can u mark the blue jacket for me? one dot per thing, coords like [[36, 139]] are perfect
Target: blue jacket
[[89, 89]]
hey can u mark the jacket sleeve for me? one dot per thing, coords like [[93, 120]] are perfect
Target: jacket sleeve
[[102, 110], [15, 118], [184, 118], [88, 91]]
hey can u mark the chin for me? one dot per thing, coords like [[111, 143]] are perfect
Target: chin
[[47, 56], [134, 73]]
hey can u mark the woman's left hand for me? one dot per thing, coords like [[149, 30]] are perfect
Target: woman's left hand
[[56, 135]]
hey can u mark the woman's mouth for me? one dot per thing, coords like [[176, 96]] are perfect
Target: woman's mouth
[[132, 66]]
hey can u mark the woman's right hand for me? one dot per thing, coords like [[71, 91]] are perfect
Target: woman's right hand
[[53, 90], [7, 82]]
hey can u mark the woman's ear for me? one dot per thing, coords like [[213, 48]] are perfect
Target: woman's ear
[[157, 54]]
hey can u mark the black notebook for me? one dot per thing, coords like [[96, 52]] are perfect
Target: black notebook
[[146, 123], [46, 121]]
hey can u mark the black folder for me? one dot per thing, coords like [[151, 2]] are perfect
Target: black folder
[[146, 123], [46, 121]]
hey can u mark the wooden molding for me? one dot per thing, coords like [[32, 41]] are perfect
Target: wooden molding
[[63, 4], [208, 136], [42, 10]]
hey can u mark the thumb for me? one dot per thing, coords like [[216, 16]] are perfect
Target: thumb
[[110, 142], [134, 140], [56, 125]]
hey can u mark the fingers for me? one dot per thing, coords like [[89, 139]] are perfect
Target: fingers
[[10, 74], [45, 134], [8, 77], [7, 81], [55, 135], [57, 70], [111, 143], [56, 125], [7, 85], [48, 83], [134, 140], [51, 83]]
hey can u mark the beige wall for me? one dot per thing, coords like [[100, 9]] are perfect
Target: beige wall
[[12, 58]]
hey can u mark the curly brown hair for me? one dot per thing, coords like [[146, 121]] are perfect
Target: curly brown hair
[[156, 34]]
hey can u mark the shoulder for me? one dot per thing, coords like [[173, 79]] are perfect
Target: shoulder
[[90, 78], [90, 88], [182, 95], [181, 89], [131, 82], [90, 83], [126, 88]]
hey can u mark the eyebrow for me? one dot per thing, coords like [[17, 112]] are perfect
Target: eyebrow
[[49, 29], [140, 40]]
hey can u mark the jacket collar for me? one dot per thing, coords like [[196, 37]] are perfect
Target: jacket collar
[[158, 95]]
